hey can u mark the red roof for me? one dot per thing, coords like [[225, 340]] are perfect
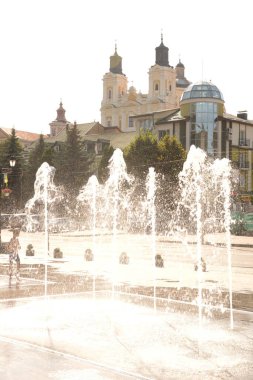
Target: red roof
[[22, 135]]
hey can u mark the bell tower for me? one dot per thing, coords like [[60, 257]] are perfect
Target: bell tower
[[162, 77], [60, 122], [114, 88]]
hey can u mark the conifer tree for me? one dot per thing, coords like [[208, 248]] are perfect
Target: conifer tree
[[104, 162], [72, 162], [39, 154]]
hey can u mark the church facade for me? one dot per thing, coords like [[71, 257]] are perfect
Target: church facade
[[120, 103]]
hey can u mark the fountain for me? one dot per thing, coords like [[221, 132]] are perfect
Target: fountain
[[166, 322]]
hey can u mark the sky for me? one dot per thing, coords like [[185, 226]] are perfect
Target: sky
[[59, 50]]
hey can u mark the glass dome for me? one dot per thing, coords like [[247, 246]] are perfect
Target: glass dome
[[202, 90]]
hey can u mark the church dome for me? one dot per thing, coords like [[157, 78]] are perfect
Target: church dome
[[202, 90], [180, 64]]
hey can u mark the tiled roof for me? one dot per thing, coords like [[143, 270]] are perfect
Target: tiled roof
[[236, 118], [22, 135], [82, 128], [119, 140], [157, 113], [95, 131], [173, 116]]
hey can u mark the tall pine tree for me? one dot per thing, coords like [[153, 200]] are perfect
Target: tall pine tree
[[39, 154], [72, 162]]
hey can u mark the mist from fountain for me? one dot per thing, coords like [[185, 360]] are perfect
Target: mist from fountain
[[151, 224], [204, 188], [164, 344], [36, 209], [89, 194]]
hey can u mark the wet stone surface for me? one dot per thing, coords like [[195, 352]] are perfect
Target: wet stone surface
[[33, 284]]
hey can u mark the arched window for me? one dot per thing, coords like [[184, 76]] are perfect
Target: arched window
[[109, 93], [156, 86]]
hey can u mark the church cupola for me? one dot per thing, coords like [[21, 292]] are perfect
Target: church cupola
[[162, 54], [59, 123], [61, 114], [116, 63], [182, 82]]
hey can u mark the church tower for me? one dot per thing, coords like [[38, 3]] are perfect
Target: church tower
[[162, 78], [59, 123], [114, 88]]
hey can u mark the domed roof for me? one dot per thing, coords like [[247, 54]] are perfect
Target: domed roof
[[132, 89], [180, 64], [202, 90]]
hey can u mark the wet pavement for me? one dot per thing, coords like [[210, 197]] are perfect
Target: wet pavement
[[23, 361], [50, 330]]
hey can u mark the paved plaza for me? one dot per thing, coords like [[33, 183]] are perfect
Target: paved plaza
[[54, 330]]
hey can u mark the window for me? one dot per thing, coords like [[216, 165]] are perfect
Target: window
[[242, 137], [99, 147], [156, 85], [130, 122], [109, 93], [204, 133], [109, 122], [161, 134], [242, 180], [146, 124]]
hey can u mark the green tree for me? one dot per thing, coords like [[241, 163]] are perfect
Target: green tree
[[171, 157], [72, 162], [39, 154], [171, 160], [167, 157], [104, 162], [141, 154]]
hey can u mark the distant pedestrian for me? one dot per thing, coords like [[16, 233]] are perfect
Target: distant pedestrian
[[88, 255], [124, 258], [13, 249], [159, 261], [203, 265]]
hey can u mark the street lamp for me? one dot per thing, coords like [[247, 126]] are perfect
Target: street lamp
[[12, 162], [4, 190]]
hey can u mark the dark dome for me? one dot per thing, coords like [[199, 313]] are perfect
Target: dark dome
[[180, 64], [202, 90]]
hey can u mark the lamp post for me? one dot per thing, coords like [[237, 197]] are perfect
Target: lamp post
[[4, 190]]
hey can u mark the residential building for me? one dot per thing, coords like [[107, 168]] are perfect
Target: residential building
[[202, 120]]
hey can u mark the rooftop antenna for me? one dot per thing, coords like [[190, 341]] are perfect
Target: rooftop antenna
[[202, 70]]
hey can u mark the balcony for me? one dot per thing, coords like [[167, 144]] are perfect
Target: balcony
[[244, 142]]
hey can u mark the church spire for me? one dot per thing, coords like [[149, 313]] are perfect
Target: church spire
[[116, 62], [162, 54], [61, 114]]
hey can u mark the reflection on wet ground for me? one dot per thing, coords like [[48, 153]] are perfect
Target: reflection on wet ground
[[68, 336]]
